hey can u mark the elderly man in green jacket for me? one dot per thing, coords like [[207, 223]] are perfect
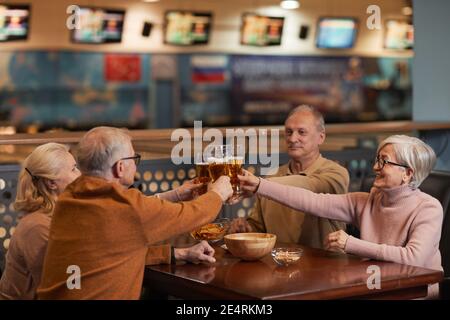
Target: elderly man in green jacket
[[304, 133]]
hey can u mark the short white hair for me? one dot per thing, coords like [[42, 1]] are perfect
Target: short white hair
[[100, 148], [316, 114], [414, 153]]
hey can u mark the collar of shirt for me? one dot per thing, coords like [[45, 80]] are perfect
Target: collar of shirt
[[310, 170]]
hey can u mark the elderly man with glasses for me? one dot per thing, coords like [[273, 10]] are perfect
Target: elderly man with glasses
[[102, 232]]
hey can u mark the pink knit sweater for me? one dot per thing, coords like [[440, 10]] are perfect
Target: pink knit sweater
[[399, 224]]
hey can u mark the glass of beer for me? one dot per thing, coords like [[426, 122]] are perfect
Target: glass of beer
[[235, 168], [227, 161], [202, 171]]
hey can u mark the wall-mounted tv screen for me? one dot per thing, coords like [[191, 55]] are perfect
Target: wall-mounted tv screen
[[399, 35], [185, 28], [336, 33], [260, 30], [14, 22], [99, 26]]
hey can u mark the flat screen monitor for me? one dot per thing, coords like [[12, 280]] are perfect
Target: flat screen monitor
[[336, 33], [260, 30], [99, 26], [185, 28], [14, 22], [399, 35]]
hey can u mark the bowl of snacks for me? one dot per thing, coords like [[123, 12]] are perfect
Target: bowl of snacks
[[250, 246], [212, 232], [286, 256]]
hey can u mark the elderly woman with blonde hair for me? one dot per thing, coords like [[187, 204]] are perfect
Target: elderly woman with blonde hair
[[44, 175], [398, 222]]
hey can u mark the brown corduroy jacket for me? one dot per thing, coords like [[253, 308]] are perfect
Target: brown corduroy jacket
[[105, 232]]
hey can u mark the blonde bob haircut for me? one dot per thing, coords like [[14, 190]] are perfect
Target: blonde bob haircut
[[44, 163], [414, 153]]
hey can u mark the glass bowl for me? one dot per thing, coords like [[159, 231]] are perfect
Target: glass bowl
[[286, 256], [212, 232]]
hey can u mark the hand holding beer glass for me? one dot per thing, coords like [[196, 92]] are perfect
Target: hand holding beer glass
[[227, 161]]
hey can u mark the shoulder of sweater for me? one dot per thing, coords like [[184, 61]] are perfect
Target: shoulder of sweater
[[426, 199], [33, 220], [423, 199], [33, 226]]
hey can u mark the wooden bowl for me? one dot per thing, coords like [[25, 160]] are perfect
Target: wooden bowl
[[250, 246]]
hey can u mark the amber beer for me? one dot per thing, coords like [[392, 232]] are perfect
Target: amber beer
[[202, 176], [229, 167], [218, 169], [234, 168]]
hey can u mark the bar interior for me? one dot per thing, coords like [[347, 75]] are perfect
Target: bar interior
[[221, 150]]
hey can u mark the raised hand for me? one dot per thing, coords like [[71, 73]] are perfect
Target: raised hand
[[249, 182], [188, 190], [222, 187]]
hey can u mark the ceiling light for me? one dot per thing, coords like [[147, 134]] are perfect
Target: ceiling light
[[150, 0], [290, 4]]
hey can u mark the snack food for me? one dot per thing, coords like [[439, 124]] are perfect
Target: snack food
[[210, 232]]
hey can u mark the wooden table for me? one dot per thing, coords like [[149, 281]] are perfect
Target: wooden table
[[319, 275]]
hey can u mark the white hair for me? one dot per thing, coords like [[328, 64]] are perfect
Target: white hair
[[317, 115], [100, 148], [414, 153]]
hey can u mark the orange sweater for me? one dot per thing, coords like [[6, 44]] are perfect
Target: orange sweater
[[106, 231], [25, 257]]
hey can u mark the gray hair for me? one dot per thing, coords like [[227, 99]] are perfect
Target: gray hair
[[316, 113], [100, 148], [414, 153]]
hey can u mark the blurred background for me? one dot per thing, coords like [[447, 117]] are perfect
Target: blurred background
[[372, 67], [163, 64]]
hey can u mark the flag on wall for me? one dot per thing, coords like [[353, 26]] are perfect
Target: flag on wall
[[124, 68], [207, 69]]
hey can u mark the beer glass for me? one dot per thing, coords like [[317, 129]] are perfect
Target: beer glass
[[227, 160], [202, 171], [234, 168]]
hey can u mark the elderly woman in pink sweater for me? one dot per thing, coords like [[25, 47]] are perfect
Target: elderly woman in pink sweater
[[398, 222]]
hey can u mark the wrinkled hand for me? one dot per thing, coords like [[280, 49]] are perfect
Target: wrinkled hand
[[188, 190], [222, 187], [201, 252], [336, 241], [249, 182], [240, 225]]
